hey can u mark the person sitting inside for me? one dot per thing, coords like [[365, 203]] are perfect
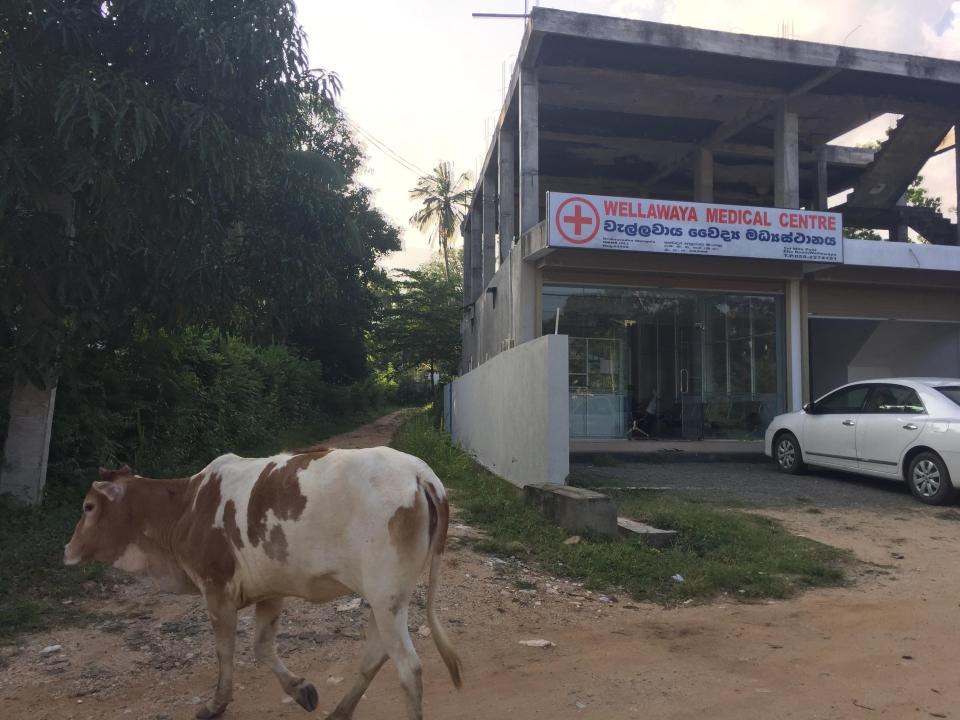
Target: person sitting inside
[[646, 424]]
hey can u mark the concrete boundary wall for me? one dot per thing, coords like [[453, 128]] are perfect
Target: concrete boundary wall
[[513, 413]]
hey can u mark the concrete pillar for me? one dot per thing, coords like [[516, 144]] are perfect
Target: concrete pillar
[[795, 345], [529, 150], [901, 231], [703, 175], [506, 190], [467, 277], [489, 227], [25, 452], [786, 159], [823, 193], [476, 250]]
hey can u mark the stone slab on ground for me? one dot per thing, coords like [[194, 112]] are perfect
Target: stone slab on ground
[[645, 533], [575, 509]]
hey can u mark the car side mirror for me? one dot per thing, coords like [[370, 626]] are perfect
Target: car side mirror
[[810, 408]]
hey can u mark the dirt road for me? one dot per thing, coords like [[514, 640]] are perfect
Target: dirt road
[[885, 647]]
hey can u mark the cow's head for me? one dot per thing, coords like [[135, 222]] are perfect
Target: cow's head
[[105, 528]]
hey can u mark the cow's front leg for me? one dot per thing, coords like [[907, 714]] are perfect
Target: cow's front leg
[[223, 617], [265, 648]]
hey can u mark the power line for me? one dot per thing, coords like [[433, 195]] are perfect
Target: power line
[[386, 149]]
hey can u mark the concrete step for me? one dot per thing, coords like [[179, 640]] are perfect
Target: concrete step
[[933, 226], [900, 157], [575, 509]]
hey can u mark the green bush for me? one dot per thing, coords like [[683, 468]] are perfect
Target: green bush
[[169, 403]]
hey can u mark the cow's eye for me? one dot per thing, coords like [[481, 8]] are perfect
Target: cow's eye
[[88, 507]]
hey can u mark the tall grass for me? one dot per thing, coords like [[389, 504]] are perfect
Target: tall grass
[[718, 549]]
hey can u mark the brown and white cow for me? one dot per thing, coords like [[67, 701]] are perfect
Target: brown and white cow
[[315, 525]]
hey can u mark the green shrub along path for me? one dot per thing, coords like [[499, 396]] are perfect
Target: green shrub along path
[[179, 433], [718, 550]]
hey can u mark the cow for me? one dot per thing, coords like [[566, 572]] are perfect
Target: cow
[[252, 531]]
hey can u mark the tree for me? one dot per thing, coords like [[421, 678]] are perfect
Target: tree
[[919, 196], [420, 325], [302, 260], [132, 136], [445, 197], [862, 234]]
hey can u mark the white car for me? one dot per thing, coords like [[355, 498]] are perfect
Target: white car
[[898, 428]]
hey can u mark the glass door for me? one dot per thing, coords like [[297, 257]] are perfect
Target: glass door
[[690, 367]]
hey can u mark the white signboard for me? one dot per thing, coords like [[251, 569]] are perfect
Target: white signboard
[[689, 228]]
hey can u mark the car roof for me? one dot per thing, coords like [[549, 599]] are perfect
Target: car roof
[[929, 381]]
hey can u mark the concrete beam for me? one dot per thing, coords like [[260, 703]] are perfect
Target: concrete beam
[[506, 168], [611, 30], [754, 114], [489, 227], [529, 53], [703, 175], [956, 156], [850, 156], [786, 159], [529, 151]]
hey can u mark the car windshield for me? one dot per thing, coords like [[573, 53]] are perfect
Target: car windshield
[[952, 392]]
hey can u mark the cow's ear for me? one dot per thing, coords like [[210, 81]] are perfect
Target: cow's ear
[[110, 490], [125, 470], [103, 473]]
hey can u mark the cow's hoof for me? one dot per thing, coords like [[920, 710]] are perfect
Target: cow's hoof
[[211, 710], [307, 697]]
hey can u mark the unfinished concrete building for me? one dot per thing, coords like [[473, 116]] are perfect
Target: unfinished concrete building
[[576, 316]]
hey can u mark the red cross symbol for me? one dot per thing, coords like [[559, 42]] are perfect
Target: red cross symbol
[[577, 220]]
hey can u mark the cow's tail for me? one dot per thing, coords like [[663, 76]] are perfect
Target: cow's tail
[[439, 519]]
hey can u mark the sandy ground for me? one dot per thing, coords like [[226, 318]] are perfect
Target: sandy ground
[[887, 646]]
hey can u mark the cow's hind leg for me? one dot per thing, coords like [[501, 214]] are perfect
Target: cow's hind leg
[[265, 648], [223, 617], [374, 656], [392, 623]]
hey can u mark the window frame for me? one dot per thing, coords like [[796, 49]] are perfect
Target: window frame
[[878, 386], [818, 405]]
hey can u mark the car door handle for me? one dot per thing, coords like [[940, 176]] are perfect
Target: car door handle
[[849, 423], [909, 426]]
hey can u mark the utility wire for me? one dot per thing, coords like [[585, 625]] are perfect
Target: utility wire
[[386, 149]]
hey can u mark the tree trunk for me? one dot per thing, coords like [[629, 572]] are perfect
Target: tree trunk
[[24, 470], [446, 260]]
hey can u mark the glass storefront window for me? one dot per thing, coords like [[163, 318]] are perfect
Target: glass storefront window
[[684, 364]]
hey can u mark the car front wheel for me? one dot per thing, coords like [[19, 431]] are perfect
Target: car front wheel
[[929, 479], [786, 452]]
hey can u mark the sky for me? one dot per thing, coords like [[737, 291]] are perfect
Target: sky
[[423, 81]]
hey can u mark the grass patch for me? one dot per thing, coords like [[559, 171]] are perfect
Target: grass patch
[[33, 580], [718, 550]]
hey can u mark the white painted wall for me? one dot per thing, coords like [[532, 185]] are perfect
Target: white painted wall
[[512, 412], [871, 253]]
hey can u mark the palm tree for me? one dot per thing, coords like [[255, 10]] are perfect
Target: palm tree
[[445, 200]]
